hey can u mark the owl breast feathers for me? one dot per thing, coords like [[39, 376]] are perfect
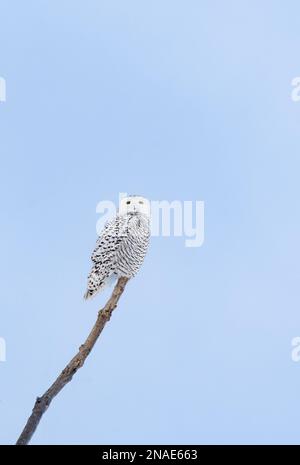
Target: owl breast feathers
[[119, 251]]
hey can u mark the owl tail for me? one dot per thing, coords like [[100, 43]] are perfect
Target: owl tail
[[92, 292], [89, 293], [96, 284]]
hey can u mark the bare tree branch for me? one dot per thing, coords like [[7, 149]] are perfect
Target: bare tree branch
[[42, 403]]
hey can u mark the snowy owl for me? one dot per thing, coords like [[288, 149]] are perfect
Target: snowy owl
[[122, 245]]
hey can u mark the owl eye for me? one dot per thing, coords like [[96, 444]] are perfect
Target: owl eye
[[128, 202], [141, 202]]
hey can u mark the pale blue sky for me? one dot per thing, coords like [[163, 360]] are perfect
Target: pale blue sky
[[171, 100]]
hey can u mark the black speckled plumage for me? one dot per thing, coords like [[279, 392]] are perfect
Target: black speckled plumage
[[120, 250]]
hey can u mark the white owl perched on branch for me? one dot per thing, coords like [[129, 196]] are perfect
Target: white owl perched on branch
[[121, 248]]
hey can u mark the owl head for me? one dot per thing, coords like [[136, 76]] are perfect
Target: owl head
[[134, 204]]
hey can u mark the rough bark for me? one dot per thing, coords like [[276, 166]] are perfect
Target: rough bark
[[42, 403]]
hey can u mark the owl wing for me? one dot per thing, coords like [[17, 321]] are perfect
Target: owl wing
[[104, 256]]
